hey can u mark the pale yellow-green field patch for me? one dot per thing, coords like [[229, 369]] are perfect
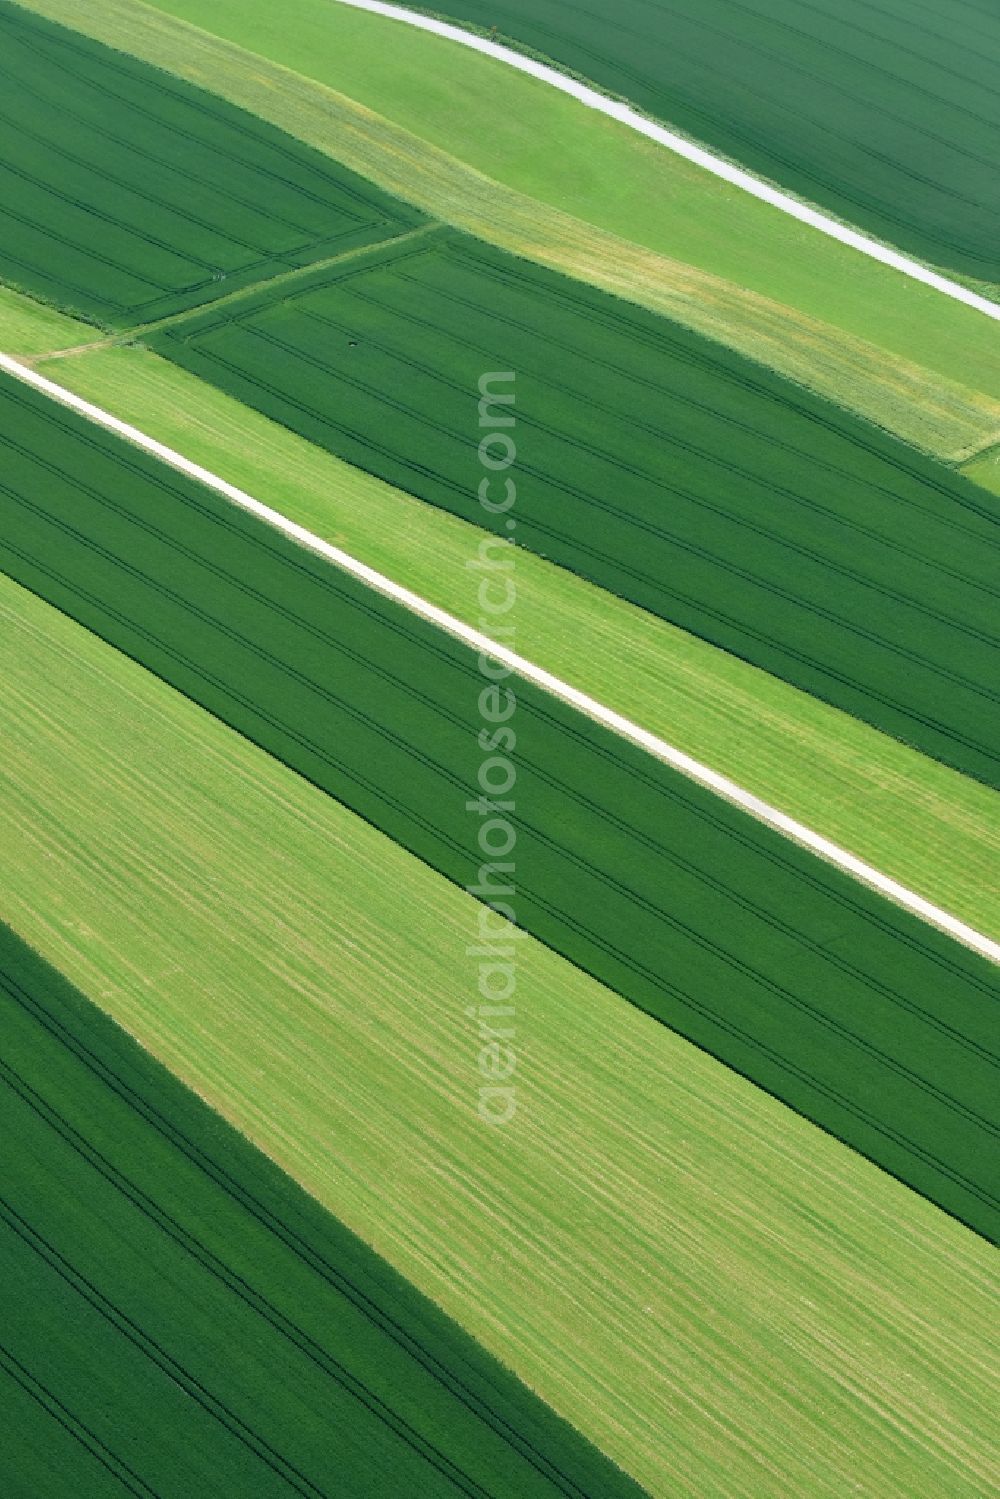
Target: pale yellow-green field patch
[[28, 327], [985, 470]]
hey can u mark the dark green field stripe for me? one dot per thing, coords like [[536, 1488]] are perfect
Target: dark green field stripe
[[124, 1478], [805, 502], [714, 455], [78, 164], [815, 418], [88, 1292], [880, 118], [247, 1293], [351, 1287], [157, 1265], [881, 1030], [36, 105], [330, 1366], [131, 196], [768, 535], [665, 469]]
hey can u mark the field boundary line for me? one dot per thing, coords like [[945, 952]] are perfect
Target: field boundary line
[[691, 151], [297, 273], [642, 738]]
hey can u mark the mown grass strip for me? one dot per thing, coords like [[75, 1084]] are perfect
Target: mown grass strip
[[985, 469], [29, 328], [887, 119], [128, 195], [458, 135], [310, 979], [920, 822], [845, 1007], [184, 1304], [653, 463]]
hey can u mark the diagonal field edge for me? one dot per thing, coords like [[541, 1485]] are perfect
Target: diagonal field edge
[[689, 150], [624, 727]]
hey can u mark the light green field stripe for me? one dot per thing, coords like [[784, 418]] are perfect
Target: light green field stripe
[[985, 469], [930, 828], [473, 143], [28, 327], [721, 1296]]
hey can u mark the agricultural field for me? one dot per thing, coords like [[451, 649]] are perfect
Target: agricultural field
[[886, 116], [633, 873], [418, 1077], [460, 136], [183, 196], [917, 820], [687, 482], [167, 1267], [868, 1304]]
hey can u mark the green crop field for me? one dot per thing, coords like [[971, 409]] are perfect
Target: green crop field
[[127, 195], [884, 117], [477, 145], [155, 1265], [719, 1294], [843, 1006], [687, 481]]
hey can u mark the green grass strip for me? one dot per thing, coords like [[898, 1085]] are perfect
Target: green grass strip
[[846, 1008]]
